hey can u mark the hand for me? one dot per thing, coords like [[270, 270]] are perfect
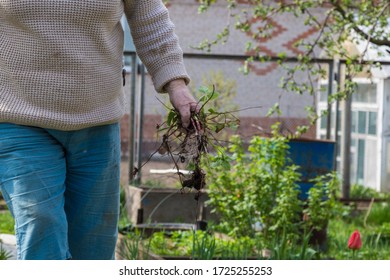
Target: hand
[[182, 100]]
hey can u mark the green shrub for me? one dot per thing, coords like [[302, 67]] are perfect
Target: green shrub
[[255, 191], [257, 186], [322, 203], [360, 191]]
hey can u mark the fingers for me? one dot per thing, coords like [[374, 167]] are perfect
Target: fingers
[[185, 114], [183, 101], [185, 111], [195, 107]]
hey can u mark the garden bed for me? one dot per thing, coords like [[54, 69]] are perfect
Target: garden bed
[[187, 244], [165, 205]]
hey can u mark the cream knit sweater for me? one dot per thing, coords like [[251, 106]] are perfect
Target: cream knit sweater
[[61, 60]]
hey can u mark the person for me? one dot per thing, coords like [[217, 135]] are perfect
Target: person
[[61, 99]]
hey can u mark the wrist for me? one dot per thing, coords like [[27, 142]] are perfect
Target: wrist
[[174, 84]]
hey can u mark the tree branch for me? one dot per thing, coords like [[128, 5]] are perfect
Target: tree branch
[[368, 37]]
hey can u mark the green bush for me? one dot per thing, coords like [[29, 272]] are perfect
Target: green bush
[[322, 203], [363, 192], [257, 188]]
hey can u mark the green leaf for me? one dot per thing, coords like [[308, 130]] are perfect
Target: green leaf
[[204, 90], [170, 117], [212, 111], [219, 127], [208, 95]]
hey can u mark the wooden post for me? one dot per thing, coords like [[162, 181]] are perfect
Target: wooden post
[[345, 137]]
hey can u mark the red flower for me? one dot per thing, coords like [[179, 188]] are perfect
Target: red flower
[[355, 242]]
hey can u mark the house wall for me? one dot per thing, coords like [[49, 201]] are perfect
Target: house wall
[[259, 89], [261, 86]]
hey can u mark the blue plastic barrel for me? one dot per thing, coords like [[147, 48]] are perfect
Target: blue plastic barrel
[[315, 158]]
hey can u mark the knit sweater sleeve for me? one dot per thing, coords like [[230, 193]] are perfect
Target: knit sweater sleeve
[[155, 40]]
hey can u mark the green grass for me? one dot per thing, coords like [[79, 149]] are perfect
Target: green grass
[[124, 220], [379, 214], [375, 234], [374, 227], [6, 223]]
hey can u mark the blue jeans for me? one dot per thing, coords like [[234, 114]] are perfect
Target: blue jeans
[[62, 188]]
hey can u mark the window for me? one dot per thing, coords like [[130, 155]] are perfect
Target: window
[[353, 159], [324, 120], [364, 129], [362, 122], [324, 93], [372, 119], [360, 160], [354, 121], [365, 93]]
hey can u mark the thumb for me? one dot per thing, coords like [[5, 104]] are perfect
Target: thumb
[[185, 115]]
